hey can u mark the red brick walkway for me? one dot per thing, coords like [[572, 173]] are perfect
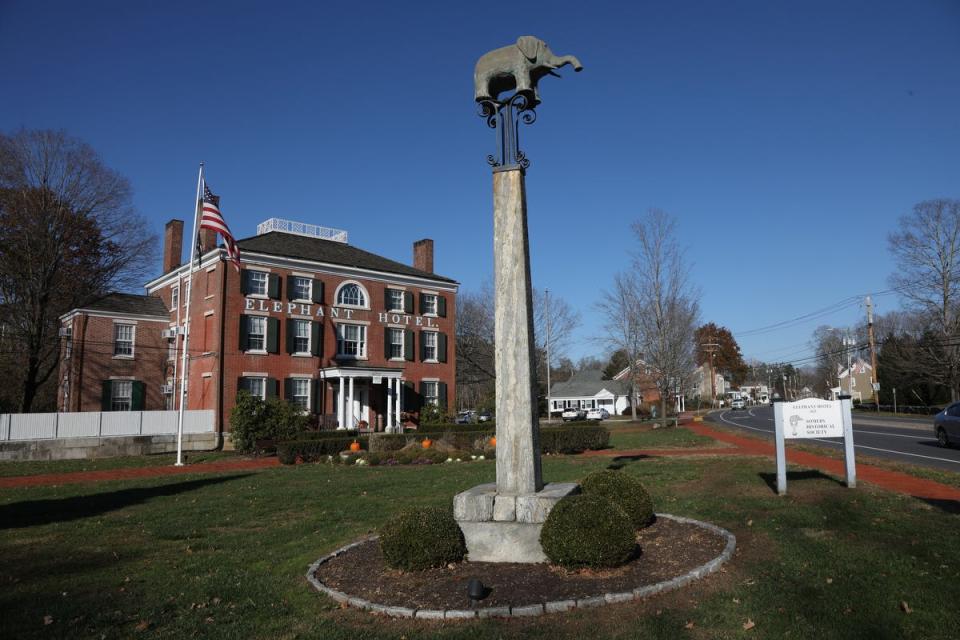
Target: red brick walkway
[[138, 472], [745, 446]]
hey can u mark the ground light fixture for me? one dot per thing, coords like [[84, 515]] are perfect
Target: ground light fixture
[[476, 591]]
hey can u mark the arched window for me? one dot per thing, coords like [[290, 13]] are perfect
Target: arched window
[[352, 295]]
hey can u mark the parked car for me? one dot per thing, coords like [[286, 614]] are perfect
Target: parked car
[[466, 417], [946, 425], [573, 413], [484, 416], [597, 414], [739, 403]]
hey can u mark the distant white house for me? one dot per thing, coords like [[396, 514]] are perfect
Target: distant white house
[[588, 390]]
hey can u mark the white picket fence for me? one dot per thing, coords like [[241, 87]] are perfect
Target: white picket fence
[[87, 424]]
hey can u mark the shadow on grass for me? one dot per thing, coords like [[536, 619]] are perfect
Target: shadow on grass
[[794, 476], [619, 462], [948, 506], [39, 512]]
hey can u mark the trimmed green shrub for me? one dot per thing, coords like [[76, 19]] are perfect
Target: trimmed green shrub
[[623, 490], [323, 435], [573, 439], [254, 420], [462, 428], [417, 539], [313, 450], [588, 531]]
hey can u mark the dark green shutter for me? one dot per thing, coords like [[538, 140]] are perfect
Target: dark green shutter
[[442, 395], [244, 332], [291, 348], [407, 302], [242, 385], [138, 395], [386, 299], [441, 306], [316, 291], [272, 388], [288, 389], [273, 335], [315, 392], [423, 303], [106, 396], [316, 338], [408, 345], [273, 286], [290, 287], [244, 281], [423, 348], [442, 347], [386, 343]]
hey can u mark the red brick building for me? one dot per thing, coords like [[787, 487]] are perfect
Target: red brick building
[[346, 334]]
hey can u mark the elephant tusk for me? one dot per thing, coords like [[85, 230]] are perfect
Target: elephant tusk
[[554, 74]]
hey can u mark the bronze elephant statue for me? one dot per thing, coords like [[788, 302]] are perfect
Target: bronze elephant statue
[[517, 66]]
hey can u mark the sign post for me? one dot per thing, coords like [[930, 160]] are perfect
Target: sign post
[[814, 418]]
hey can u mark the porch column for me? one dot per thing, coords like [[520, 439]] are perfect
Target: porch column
[[389, 409], [351, 419], [340, 406], [399, 402]]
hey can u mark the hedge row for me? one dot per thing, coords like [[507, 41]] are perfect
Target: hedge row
[[313, 450], [324, 435], [574, 439], [464, 428]]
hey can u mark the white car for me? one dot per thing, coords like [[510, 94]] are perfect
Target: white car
[[739, 403], [597, 414]]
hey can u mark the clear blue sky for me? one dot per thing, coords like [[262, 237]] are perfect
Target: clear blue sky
[[786, 137]]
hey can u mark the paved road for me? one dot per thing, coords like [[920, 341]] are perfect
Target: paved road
[[909, 440]]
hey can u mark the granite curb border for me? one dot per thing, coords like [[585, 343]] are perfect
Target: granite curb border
[[536, 609]]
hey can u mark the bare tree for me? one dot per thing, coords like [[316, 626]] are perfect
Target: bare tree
[[476, 372], [668, 306], [564, 320], [622, 327], [926, 248], [68, 233]]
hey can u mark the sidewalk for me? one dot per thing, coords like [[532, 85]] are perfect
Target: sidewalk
[[138, 472], [746, 446]]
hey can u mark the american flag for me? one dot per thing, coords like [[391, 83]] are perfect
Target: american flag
[[212, 219]]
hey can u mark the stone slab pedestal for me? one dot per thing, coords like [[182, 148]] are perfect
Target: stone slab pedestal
[[506, 528]]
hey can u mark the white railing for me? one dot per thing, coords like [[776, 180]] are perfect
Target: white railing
[[301, 229], [97, 424]]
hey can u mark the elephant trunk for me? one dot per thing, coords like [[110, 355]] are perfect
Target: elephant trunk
[[571, 60]]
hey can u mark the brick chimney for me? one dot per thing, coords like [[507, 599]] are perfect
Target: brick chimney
[[172, 245], [423, 255]]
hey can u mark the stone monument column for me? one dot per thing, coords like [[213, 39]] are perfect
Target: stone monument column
[[518, 442], [501, 522]]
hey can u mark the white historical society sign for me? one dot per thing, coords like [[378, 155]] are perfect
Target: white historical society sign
[[813, 418]]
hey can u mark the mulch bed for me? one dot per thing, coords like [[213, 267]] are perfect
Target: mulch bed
[[667, 549]]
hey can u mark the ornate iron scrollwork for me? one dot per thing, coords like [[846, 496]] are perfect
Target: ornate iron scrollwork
[[505, 116]]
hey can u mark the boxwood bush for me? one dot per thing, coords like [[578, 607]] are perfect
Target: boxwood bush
[[588, 531], [623, 490], [421, 538], [442, 428], [314, 450]]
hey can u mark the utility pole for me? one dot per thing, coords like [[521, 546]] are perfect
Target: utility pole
[[546, 310], [848, 346], [710, 348], [875, 376]]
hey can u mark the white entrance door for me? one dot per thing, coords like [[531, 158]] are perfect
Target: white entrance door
[[361, 405]]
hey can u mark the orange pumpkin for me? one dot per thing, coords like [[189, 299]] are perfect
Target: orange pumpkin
[[493, 441], [426, 443], [354, 446]]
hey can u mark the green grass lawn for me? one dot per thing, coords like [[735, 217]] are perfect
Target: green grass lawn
[[224, 556], [10, 468], [645, 437]]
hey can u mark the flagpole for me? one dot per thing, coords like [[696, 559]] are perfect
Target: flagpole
[[186, 322]]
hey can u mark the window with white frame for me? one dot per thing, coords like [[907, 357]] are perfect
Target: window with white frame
[[175, 297], [395, 300], [123, 340], [257, 282], [429, 346], [431, 394], [351, 295], [429, 304], [121, 395], [301, 336], [301, 288], [172, 350], [352, 340], [395, 340], [256, 333], [300, 390], [256, 387]]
